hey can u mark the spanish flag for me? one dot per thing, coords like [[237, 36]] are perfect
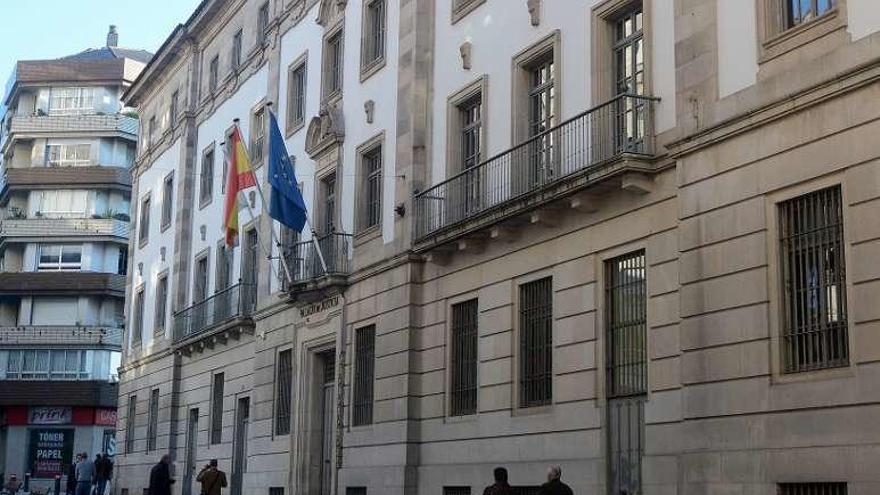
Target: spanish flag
[[240, 177]]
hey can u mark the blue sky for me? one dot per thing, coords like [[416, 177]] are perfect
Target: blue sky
[[37, 29]]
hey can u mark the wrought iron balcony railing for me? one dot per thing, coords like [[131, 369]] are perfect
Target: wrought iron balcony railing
[[583, 144], [305, 264], [75, 335], [232, 303]]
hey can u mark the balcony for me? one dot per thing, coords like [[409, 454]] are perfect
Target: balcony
[[225, 314], [62, 229], [603, 142], [27, 178], [65, 335], [32, 126], [61, 283], [309, 280]]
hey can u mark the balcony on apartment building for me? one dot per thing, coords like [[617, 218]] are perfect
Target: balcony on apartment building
[[613, 141], [66, 335], [39, 229], [61, 283], [224, 315], [85, 177], [309, 280], [41, 125]]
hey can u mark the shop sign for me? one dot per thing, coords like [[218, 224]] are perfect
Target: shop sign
[[50, 415], [50, 452]]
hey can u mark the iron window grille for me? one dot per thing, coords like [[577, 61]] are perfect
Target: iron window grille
[[825, 488], [284, 379], [799, 12], [374, 34], [206, 177], [365, 340], [137, 327], [235, 59], [463, 379], [276, 490], [356, 490], [217, 409], [333, 72], [167, 200], [153, 424], [536, 343], [456, 490], [372, 187], [161, 302], [814, 334], [129, 424], [296, 110]]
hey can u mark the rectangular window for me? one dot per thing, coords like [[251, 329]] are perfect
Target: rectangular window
[[174, 108], [235, 58], [470, 113], [356, 490], [296, 98], [129, 424], [71, 101], [68, 155], [200, 279], [41, 364], [137, 324], [206, 177], [456, 490], [328, 186], [167, 200], [333, 65], [365, 340], [371, 207], [814, 334], [798, 12], [258, 134], [214, 74], [625, 369], [536, 343], [373, 49], [463, 373], [812, 488], [217, 409], [151, 131], [153, 420], [224, 267], [263, 22], [122, 261], [541, 162], [284, 381], [161, 302], [144, 223], [55, 257], [276, 490], [63, 204]]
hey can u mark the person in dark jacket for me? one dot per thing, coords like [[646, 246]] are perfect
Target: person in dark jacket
[[554, 484], [160, 477], [501, 487], [212, 479], [71, 476]]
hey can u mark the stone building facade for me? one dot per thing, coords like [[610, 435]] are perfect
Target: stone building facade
[[631, 238]]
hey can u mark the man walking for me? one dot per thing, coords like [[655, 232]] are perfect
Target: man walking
[[501, 487], [160, 477], [85, 474], [101, 473], [554, 484], [212, 479]]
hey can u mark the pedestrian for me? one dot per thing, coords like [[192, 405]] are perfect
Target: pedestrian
[[212, 479], [13, 485], [160, 477], [501, 487], [71, 476], [85, 475], [554, 484], [101, 477]]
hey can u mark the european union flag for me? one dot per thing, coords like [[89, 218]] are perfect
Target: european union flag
[[286, 203]]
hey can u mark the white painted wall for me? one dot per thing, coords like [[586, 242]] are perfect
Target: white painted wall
[[863, 18]]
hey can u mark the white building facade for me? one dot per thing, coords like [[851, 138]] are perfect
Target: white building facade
[[616, 236]]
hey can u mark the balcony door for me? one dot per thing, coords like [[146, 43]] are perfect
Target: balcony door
[[629, 79], [200, 292], [250, 263]]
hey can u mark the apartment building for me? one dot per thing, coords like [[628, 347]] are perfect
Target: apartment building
[[67, 142], [629, 238]]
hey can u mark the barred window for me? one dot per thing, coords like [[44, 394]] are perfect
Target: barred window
[[625, 324], [167, 200], [153, 420], [456, 490], [833, 488], [206, 177], [129, 424], [356, 490], [814, 335], [217, 409], [137, 323], [373, 48], [284, 380], [463, 379], [296, 99], [365, 340], [536, 343], [276, 490], [161, 302], [372, 188]]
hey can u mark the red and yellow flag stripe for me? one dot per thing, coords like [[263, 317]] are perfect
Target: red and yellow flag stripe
[[240, 177]]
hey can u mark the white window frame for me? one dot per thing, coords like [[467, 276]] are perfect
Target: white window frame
[[71, 101], [68, 155], [59, 264]]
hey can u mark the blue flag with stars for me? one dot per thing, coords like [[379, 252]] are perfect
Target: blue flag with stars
[[286, 203]]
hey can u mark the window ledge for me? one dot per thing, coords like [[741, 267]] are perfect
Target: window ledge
[[368, 235], [793, 38], [294, 127], [532, 410], [205, 202], [465, 8], [812, 376], [143, 242], [372, 68]]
